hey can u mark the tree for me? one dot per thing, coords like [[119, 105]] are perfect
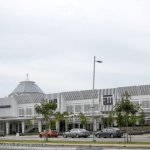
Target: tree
[[62, 116], [127, 107], [46, 109], [82, 118], [133, 119], [28, 123], [103, 120], [142, 118], [120, 120], [110, 118], [67, 121]]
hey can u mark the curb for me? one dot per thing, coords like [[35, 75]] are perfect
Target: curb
[[41, 145], [100, 145]]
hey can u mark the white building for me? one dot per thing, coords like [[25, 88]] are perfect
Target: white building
[[18, 107]]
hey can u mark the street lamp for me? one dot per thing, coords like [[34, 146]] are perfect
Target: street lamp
[[93, 96]]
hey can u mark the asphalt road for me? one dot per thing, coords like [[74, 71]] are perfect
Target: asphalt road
[[60, 138], [71, 148]]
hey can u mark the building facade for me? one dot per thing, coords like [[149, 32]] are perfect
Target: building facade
[[18, 107]]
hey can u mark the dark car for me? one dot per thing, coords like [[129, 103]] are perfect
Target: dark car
[[2, 133], [109, 132], [76, 133]]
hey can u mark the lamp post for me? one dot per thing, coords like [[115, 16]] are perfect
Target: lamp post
[[93, 96]]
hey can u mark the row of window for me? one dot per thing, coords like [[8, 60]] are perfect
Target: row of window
[[5, 106]]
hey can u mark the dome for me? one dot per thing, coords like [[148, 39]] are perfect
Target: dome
[[27, 87]]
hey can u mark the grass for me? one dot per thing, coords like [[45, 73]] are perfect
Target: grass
[[75, 142]]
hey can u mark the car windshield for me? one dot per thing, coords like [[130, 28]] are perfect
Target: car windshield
[[116, 129], [82, 130]]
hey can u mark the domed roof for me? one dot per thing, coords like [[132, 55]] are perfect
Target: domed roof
[[26, 87]]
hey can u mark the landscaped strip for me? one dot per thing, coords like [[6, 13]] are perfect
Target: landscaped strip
[[75, 142]]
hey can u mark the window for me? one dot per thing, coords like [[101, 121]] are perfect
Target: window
[[5, 106], [55, 101]]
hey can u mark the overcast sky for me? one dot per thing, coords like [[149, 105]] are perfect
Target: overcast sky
[[55, 41]]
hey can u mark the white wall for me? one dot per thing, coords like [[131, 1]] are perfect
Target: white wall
[[8, 112]]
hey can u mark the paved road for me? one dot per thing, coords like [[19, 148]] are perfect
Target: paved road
[[60, 138], [71, 148]]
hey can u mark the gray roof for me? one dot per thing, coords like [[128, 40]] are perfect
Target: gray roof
[[29, 98], [26, 87]]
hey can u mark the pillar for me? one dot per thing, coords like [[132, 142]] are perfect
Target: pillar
[[91, 126], [95, 124], [40, 125], [66, 127], [84, 126], [13, 127], [58, 126], [23, 126], [137, 122], [115, 122], [18, 127], [7, 127], [73, 125], [79, 125], [0, 125], [88, 127]]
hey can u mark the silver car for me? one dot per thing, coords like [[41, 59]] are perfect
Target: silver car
[[2, 133], [76, 133], [109, 132]]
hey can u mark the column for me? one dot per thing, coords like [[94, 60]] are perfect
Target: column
[[58, 126], [13, 127], [95, 124], [73, 125], [66, 127], [84, 126], [18, 127], [7, 127], [90, 126], [115, 122], [40, 125], [79, 125], [137, 122], [0, 125], [23, 126]]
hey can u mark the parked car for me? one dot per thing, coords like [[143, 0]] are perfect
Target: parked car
[[76, 133], [2, 133], [109, 132], [51, 133]]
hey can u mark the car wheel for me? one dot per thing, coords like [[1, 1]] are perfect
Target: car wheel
[[85, 136], [77, 136], [119, 136], [98, 136], [112, 135], [65, 136], [55, 136], [40, 136]]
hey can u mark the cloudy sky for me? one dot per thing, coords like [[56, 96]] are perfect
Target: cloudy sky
[[55, 41]]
